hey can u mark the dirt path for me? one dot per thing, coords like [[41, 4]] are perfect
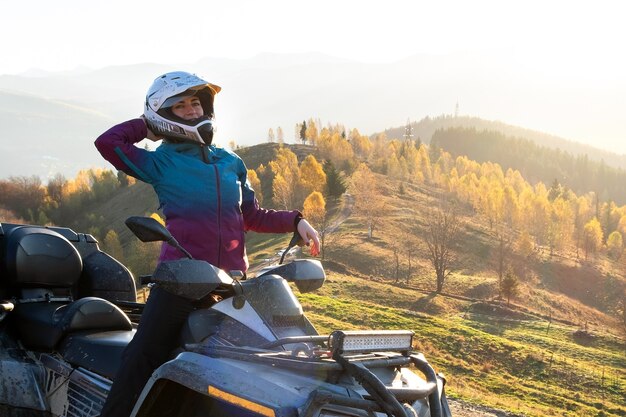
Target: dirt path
[[342, 216], [461, 408]]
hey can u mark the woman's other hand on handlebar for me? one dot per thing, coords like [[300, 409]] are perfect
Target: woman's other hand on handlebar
[[309, 235]]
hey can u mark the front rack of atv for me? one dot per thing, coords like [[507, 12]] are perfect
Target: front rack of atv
[[332, 363]]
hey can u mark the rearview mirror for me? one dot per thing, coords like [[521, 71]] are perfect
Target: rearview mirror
[[148, 229]]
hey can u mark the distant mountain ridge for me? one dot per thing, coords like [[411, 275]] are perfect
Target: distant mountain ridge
[[43, 137], [426, 127], [281, 90]]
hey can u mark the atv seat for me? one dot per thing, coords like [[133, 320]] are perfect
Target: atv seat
[[99, 352], [43, 268], [42, 325]]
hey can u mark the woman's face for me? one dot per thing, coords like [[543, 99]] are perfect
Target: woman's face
[[188, 108]]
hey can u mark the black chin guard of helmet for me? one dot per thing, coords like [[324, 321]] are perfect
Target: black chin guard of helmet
[[206, 133], [205, 130]]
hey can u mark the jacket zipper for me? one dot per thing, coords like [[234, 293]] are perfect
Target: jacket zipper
[[219, 217]]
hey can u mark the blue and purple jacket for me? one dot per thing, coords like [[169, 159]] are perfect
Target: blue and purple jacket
[[204, 192]]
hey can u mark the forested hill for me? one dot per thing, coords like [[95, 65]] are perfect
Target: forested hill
[[425, 128], [536, 163]]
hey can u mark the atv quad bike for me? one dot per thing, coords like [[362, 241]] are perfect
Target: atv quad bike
[[250, 351]]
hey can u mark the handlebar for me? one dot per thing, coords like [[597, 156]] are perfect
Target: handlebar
[[296, 239], [146, 279]]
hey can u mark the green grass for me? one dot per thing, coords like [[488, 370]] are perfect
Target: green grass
[[520, 366]]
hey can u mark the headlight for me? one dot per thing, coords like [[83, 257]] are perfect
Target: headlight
[[370, 341]]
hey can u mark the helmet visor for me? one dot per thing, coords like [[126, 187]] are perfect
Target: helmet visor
[[175, 99]]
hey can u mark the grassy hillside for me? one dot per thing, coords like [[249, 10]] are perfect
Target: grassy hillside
[[524, 366], [553, 352], [558, 349]]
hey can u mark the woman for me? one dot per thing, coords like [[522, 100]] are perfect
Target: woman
[[208, 206]]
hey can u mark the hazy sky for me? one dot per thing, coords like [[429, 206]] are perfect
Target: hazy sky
[[64, 34], [571, 41]]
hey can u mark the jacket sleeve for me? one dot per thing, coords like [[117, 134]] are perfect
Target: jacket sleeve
[[117, 145], [259, 219]]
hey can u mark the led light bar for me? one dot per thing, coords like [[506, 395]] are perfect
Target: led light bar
[[370, 340]]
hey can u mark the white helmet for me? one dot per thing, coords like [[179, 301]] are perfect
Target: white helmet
[[169, 89]]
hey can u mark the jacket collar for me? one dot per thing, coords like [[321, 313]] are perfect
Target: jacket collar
[[187, 148]]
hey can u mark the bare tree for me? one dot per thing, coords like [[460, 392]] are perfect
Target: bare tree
[[442, 231], [280, 136], [503, 253], [623, 311], [368, 201]]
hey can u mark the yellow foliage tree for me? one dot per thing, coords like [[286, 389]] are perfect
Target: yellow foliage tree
[[592, 236], [314, 209], [361, 145], [615, 245], [255, 184], [286, 177], [368, 202], [312, 131], [582, 208], [113, 246], [561, 226], [312, 175], [332, 146], [283, 192]]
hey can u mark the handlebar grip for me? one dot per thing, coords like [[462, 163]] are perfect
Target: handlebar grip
[[296, 239], [6, 306]]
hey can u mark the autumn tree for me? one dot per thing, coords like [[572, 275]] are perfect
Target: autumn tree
[[24, 196], [332, 146], [561, 224], [103, 184], [592, 236], [381, 151], [311, 131], [286, 177], [621, 225], [125, 180], [141, 258], [111, 245], [442, 231], [582, 214], [7, 216], [314, 209], [280, 136], [312, 176], [368, 202], [255, 184], [615, 245], [610, 215], [266, 177], [361, 145], [55, 188]]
